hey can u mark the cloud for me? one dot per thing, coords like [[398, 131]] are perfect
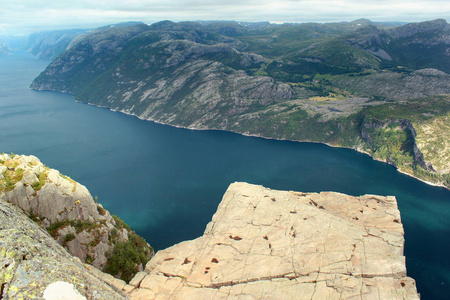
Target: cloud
[[25, 16]]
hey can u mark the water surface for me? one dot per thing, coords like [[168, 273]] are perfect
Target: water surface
[[167, 182]]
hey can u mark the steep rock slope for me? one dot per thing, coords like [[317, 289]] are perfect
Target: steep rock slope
[[416, 45], [166, 73], [267, 244], [34, 266], [69, 213], [411, 135]]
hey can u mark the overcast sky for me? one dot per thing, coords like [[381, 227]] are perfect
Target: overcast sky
[[26, 16]]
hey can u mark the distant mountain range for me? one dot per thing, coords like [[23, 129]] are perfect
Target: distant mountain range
[[370, 86], [4, 48]]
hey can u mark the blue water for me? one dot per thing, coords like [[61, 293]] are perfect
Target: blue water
[[167, 182]]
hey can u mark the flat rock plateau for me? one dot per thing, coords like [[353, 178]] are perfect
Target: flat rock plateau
[[268, 244]]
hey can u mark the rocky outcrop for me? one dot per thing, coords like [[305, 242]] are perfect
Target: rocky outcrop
[[433, 141], [64, 207], [404, 125], [267, 244], [34, 266], [397, 86], [412, 29]]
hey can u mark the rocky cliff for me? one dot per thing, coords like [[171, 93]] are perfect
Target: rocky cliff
[[34, 266], [68, 212], [268, 244], [177, 74]]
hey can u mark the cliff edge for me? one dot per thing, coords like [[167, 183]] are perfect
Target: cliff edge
[[71, 216], [268, 244], [34, 266]]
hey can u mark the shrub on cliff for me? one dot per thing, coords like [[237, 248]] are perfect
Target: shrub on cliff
[[128, 257]]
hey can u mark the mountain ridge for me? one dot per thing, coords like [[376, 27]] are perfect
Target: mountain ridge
[[304, 82]]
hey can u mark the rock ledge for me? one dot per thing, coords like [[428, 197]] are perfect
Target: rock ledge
[[267, 244]]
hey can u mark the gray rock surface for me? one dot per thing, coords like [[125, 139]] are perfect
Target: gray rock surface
[[62, 206], [396, 86], [34, 266], [267, 244]]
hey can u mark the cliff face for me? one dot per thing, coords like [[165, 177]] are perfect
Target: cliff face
[[170, 73], [267, 244], [435, 132], [34, 266], [66, 209]]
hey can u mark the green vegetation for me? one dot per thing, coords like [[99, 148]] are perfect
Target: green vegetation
[[54, 227], [121, 224], [43, 176], [84, 225], [79, 226], [67, 238], [11, 175], [391, 143], [125, 259], [101, 210]]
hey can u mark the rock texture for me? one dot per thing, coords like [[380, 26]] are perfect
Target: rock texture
[[267, 244], [433, 140], [180, 74], [34, 266], [62, 206], [397, 86]]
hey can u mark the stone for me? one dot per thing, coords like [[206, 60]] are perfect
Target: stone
[[62, 201], [62, 290], [267, 244], [34, 266], [137, 279]]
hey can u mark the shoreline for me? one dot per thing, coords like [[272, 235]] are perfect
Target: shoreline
[[259, 136]]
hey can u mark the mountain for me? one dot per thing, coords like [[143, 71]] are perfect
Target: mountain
[[304, 82], [416, 45], [49, 44]]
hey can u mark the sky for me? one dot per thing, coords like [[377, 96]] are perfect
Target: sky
[[18, 17]]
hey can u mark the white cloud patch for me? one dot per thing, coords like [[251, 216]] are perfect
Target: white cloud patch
[[25, 16]]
